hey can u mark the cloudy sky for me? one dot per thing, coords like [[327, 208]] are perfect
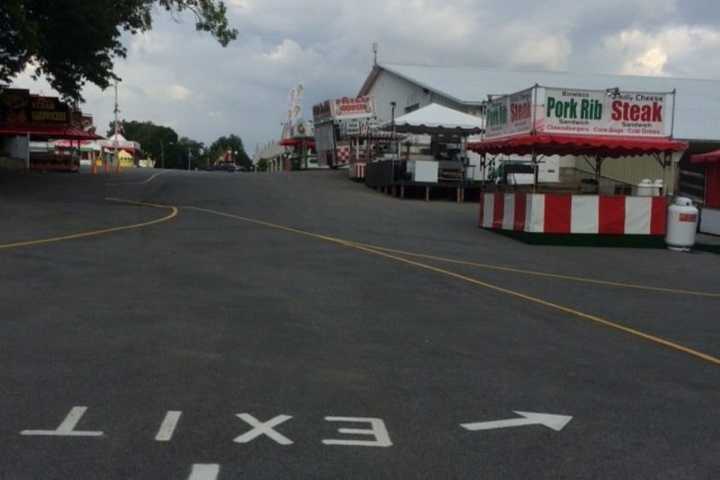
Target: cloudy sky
[[177, 77]]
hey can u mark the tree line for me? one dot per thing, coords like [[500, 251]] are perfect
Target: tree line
[[169, 150]]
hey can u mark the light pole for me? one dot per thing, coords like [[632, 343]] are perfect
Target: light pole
[[393, 105], [393, 141], [117, 129]]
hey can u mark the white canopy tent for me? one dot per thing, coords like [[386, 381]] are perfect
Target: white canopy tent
[[121, 143], [436, 120]]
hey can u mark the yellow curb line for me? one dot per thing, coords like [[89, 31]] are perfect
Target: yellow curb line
[[104, 231], [593, 318], [572, 278]]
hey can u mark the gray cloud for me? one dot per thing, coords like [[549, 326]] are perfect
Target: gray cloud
[[178, 77]]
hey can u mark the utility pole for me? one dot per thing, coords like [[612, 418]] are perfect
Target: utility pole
[[188, 158], [396, 152], [115, 140], [393, 105], [162, 155]]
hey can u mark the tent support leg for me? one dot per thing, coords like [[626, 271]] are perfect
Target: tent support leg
[[598, 170]]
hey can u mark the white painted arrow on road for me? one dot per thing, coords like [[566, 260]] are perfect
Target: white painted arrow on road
[[554, 422]]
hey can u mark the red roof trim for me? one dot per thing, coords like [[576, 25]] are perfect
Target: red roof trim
[[545, 144], [711, 157], [294, 142], [63, 133]]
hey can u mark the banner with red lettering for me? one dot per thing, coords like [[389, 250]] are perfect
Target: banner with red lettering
[[344, 109], [509, 115], [606, 113], [347, 108]]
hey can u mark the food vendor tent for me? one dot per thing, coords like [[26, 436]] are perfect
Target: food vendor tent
[[711, 162], [436, 119], [120, 142], [83, 145], [710, 220], [126, 159], [596, 124]]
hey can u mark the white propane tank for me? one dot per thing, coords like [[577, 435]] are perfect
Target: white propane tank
[[658, 187], [682, 225], [645, 188]]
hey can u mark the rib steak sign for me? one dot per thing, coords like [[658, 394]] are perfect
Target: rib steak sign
[[509, 115], [593, 112]]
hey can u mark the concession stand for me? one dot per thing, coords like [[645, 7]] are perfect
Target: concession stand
[[710, 213], [346, 134], [299, 146], [297, 137], [430, 157], [26, 118], [125, 150], [590, 124]]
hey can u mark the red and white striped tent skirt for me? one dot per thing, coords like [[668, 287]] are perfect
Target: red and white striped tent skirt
[[573, 214]]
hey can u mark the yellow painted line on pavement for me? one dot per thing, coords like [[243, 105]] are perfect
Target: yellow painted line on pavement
[[144, 182], [572, 278], [474, 281], [94, 233]]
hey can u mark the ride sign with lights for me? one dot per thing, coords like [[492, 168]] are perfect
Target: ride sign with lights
[[607, 113]]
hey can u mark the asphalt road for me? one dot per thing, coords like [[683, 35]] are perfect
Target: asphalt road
[[293, 355]]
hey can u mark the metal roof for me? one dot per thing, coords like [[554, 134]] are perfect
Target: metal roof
[[697, 115]]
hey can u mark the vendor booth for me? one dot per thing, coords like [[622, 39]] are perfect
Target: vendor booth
[[297, 142], [27, 119], [594, 124], [346, 134], [710, 213], [299, 148], [447, 131], [119, 152], [428, 156], [90, 151]]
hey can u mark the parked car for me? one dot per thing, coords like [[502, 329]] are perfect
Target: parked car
[[225, 167]]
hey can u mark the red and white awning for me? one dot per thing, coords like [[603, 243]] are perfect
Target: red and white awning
[[121, 143], [595, 146], [49, 132]]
